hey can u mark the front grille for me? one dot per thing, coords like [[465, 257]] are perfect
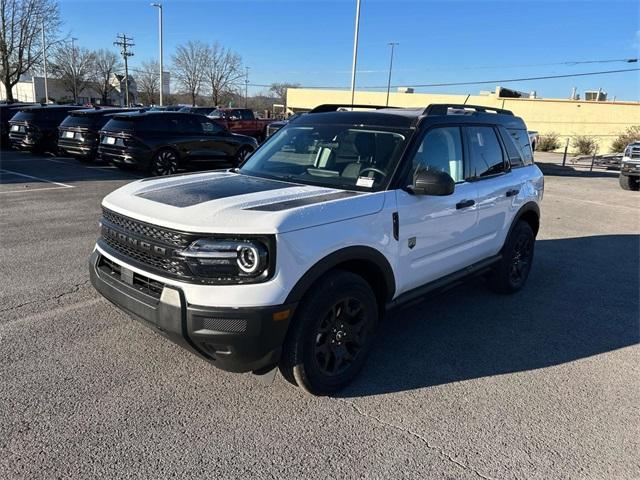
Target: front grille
[[141, 283], [163, 235], [171, 266]]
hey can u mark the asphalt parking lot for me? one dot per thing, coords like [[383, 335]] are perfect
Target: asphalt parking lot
[[544, 384]]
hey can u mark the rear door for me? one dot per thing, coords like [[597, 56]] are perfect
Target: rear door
[[436, 233], [220, 144], [497, 186]]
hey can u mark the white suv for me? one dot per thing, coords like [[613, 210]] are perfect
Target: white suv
[[291, 260]]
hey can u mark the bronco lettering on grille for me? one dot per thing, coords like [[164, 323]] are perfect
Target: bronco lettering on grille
[[133, 242]]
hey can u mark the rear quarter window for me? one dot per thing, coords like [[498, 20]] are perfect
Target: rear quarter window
[[521, 139]]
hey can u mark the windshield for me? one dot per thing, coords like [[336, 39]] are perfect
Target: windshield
[[338, 156]]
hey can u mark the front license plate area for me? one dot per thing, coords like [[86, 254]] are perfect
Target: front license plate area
[[126, 275]]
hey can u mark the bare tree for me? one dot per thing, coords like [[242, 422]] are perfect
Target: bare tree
[[106, 64], [280, 90], [189, 63], [21, 37], [223, 73], [74, 67], [148, 80]]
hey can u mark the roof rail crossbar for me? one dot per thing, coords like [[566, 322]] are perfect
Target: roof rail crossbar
[[443, 109], [334, 107]]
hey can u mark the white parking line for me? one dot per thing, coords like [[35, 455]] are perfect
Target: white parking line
[[59, 185]]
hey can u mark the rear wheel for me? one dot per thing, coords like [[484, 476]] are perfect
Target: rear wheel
[[511, 273], [165, 162], [331, 334], [628, 182]]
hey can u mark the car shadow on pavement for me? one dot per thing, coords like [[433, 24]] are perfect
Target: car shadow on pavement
[[581, 300]]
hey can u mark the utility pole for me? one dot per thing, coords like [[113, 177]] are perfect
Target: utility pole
[[125, 43], [246, 87], [355, 52], [73, 69], [44, 64], [159, 6], [392, 45]]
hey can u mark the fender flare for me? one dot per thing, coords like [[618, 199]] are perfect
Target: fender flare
[[348, 254], [526, 208]]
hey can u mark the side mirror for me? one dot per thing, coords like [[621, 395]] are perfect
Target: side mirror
[[432, 182]]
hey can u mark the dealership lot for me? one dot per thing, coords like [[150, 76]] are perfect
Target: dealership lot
[[543, 384]]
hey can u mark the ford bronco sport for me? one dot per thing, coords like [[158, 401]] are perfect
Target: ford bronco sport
[[292, 259]]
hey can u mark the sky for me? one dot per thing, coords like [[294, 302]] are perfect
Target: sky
[[310, 42]]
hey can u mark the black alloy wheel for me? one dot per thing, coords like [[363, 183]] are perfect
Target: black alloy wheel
[[521, 259], [511, 272], [242, 154], [165, 162], [340, 336], [331, 333]]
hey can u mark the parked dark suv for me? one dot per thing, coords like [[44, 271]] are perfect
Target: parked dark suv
[[36, 128], [8, 110], [162, 142], [79, 133]]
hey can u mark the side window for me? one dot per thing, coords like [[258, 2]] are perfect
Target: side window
[[247, 115], [211, 128], [513, 151], [191, 125], [234, 115], [485, 152], [521, 138], [440, 149]]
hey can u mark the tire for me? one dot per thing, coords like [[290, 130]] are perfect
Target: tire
[[242, 154], [511, 273], [331, 334], [628, 182], [165, 162]]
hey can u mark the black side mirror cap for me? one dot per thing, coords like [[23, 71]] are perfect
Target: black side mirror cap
[[432, 182]]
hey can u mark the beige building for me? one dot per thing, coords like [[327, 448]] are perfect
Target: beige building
[[603, 120], [31, 89]]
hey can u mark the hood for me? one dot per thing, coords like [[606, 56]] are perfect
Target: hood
[[226, 202]]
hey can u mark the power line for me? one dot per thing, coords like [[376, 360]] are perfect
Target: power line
[[511, 80], [125, 43]]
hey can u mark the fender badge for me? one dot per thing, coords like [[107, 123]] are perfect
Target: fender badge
[[412, 242]]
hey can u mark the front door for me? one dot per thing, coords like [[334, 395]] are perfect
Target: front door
[[436, 233]]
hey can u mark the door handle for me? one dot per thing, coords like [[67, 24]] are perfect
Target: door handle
[[513, 193], [465, 204]]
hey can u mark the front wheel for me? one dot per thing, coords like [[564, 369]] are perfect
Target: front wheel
[[165, 162], [242, 154], [628, 182], [331, 334], [511, 273]]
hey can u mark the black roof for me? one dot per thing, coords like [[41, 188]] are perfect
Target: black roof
[[99, 111], [50, 107], [152, 113], [382, 116]]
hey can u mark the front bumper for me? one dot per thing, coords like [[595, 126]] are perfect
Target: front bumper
[[233, 339], [631, 169]]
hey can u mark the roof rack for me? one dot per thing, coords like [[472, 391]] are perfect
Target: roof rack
[[334, 107], [462, 109]]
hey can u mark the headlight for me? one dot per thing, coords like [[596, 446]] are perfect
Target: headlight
[[232, 260]]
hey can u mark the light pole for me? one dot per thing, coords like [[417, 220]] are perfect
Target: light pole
[[159, 6], [246, 87], [355, 52], [73, 70], [392, 45], [44, 64]]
